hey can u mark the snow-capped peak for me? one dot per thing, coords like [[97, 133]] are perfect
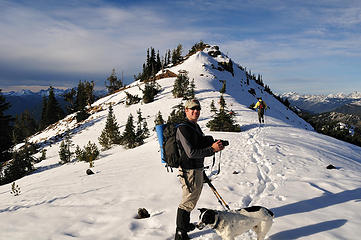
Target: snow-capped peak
[[322, 103]]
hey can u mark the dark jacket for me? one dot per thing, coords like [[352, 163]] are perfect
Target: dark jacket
[[194, 145]]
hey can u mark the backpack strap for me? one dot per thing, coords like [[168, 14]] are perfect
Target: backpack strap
[[180, 147]]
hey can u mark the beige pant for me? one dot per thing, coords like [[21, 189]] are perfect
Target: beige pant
[[192, 185]]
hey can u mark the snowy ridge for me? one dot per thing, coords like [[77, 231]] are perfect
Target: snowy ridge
[[281, 165]]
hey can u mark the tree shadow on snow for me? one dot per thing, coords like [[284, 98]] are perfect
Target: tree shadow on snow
[[50, 201], [247, 127], [44, 168], [308, 230], [326, 200]]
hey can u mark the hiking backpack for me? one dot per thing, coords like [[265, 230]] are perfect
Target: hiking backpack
[[169, 148], [261, 105], [170, 151]]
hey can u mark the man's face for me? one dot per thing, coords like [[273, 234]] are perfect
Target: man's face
[[193, 113]]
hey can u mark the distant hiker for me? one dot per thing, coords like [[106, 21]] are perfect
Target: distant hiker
[[195, 146], [261, 105]]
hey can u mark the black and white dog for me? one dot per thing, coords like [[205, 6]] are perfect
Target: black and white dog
[[229, 224]]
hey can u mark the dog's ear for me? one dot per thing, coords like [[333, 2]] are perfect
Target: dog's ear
[[202, 210]]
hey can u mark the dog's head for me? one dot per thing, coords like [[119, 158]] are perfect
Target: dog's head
[[207, 217]]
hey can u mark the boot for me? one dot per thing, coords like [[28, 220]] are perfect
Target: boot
[[187, 217], [181, 235], [183, 225]]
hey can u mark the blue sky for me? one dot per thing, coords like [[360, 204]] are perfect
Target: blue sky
[[303, 46]]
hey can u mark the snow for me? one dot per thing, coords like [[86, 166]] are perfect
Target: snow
[[322, 103], [280, 165]]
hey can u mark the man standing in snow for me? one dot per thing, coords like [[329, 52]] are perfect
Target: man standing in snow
[[261, 105], [194, 148]]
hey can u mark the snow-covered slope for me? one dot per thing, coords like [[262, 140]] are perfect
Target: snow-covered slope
[[281, 165], [322, 103]]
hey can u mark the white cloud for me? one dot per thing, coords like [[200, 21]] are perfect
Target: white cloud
[[348, 16], [89, 40], [282, 38]]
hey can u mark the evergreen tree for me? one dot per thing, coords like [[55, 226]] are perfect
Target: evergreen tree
[[114, 83], [51, 110], [85, 95], [92, 153], [89, 92], [43, 155], [21, 164], [213, 107], [147, 64], [151, 89], [259, 80], [222, 103], [177, 54], [54, 111], [142, 131], [177, 115], [159, 63], [25, 125], [168, 57], [44, 117], [286, 103], [70, 97], [151, 66], [152, 63], [110, 134], [223, 90], [88, 154], [190, 94], [223, 120], [229, 67], [80, 98], [197, 47], [180, 85], [65, 151], [5, 130], [131, 99], [82, 115], [129, 138], [159, 119]]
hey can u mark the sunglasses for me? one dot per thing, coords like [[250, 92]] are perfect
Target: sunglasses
[[196, 108]]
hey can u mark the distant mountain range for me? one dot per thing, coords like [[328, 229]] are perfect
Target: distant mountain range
[[342, 103], [321, 110], [32, 101]]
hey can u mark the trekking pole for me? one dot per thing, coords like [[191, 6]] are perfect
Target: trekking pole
[[219, 200], [214, 190]]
